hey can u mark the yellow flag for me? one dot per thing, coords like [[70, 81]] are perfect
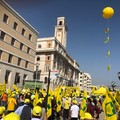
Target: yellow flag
[[15, 87], [43, 92], [113, 99], [83, 105], [50, 93], [93, 89], [117, 96], [49, 107], [4, 85], [9, 92], [59, 99], [109, 108], [36, 99]]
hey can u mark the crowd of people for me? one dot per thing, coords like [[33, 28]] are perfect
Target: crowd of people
[[23, 105]]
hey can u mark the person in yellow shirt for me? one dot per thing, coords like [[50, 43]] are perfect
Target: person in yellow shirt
[[66, 108], [2, 110], [11, 104]]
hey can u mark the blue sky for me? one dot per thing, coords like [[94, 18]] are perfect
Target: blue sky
[[85, 37]]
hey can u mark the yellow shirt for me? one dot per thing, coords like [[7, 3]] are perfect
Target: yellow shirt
[[11, 104], [66, 104]]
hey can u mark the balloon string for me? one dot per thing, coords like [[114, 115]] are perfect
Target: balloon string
[[108, 45], [108, 52], [107, 30]]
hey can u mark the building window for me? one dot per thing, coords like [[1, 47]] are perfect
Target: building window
[[17, 78], [49, 45], [19, 61], [30, 36], [0, 54], [15, 26], [13, 41], [60, 23], [10, 58], [45, 80], [80, 80], [23, 31], [21, 46], [7, 75], [47, 67], [36, 75], [28, 50], [38, 58], [48, 58], [81, 73], [24, 78], [5, 18], [26, 64], [39, 46], [2, 35], [55, 44]]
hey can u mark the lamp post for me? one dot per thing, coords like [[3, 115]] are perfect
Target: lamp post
[[37, 66]]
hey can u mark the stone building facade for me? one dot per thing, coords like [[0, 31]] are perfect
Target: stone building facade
[[17, 47], [51, 54]]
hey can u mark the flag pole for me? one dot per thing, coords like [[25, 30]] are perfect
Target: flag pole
[[48, 88]]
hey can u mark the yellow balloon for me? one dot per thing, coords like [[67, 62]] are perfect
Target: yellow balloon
[[108, 12]]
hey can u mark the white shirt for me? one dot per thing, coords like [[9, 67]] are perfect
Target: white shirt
[[19, 109], [74, 111], [35, 119]]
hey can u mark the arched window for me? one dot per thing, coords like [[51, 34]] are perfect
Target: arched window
[[45, 80], [39, 46], [60, 23], [38, 58]]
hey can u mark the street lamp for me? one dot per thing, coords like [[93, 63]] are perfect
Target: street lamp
[[118, 74], [37, 66]]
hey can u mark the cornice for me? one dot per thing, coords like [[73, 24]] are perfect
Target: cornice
[[11, 10]]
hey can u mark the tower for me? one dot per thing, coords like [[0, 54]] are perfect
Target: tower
[[61, 31]]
